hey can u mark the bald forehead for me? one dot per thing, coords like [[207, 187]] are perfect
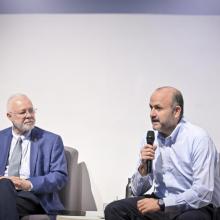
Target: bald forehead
[[164, 94], [18, 101], [166, 91]]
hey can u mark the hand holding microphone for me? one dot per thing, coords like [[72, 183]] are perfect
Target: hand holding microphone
[[147, 153]]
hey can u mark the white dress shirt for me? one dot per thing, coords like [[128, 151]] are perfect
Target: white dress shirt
[[25, 159]]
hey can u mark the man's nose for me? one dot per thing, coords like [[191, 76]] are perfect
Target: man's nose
[[152, 112], [28, 114]]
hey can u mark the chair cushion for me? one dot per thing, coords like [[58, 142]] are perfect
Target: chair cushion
[[38, 217]]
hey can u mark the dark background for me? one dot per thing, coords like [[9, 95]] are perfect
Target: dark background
[[184, 7]]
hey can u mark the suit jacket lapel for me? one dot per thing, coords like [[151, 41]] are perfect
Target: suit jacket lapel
[[34, 150]]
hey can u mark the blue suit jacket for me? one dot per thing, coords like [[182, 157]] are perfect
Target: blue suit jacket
[[48, 168]]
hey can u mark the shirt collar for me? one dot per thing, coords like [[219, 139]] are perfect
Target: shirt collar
[[172, 137], [24, 136]]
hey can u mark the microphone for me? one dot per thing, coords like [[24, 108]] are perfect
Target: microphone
[[150, 140]]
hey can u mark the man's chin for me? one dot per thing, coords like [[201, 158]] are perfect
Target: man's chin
[[156, 126], [28, 127]]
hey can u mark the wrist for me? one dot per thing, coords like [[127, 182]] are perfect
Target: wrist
[[161, 205], [141, 170], [27, 185]]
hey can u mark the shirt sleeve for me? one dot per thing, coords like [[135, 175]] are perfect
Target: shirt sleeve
[[56, 175], [141, 184]]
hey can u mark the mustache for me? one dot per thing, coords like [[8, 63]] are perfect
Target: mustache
[[29, 121], [155, 120]]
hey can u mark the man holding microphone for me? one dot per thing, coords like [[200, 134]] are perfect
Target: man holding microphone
[[185, 168]]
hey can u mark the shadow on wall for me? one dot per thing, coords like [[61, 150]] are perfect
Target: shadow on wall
[[87, 200], [77, 194]]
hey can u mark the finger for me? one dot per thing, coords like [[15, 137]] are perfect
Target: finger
[[141, 203], [142, 209], [148, 146], [148, 150], [148, 156]]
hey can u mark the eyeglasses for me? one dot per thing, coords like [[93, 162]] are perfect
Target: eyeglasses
[[24, 113]]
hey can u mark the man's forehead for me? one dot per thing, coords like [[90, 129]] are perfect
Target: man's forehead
[[161, 97], [166, 90], [21, 101], [163, 93]]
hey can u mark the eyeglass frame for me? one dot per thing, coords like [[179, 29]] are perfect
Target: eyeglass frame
[[24, 113]]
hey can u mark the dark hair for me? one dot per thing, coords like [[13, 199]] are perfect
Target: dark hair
[[178, 100]]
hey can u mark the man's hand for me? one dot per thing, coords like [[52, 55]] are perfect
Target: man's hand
[[147, 153], [20, 184], [148, 205]]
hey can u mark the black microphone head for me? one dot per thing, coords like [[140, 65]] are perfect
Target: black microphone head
[[150, 137]]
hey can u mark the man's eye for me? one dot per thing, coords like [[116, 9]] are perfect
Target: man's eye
[[21, 113], [158, 108]]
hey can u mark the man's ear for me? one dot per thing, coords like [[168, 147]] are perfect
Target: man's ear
[[178, 111], [9, 115]]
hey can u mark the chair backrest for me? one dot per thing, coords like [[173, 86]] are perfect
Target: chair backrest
[[77, 195], [69, 194]]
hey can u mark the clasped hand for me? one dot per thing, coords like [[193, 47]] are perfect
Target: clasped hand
[[20, 184]]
